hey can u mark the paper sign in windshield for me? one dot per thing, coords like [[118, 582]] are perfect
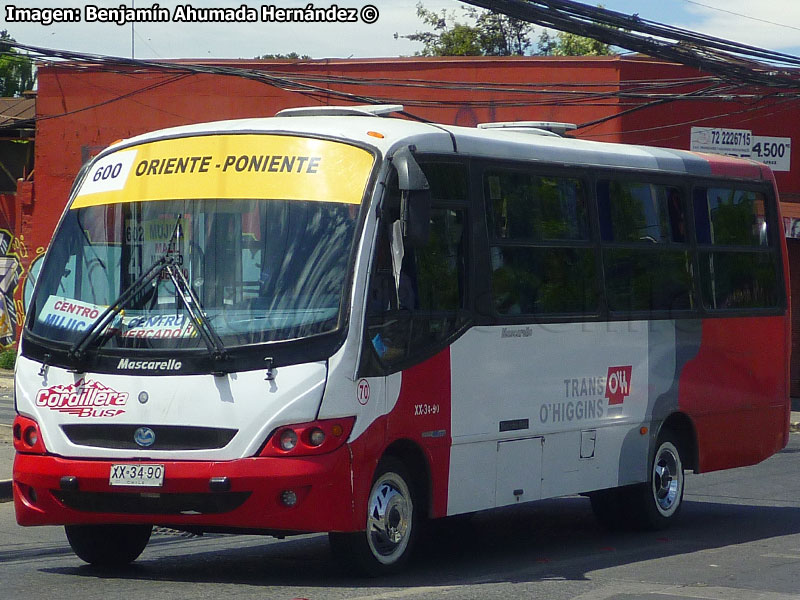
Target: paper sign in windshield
[[66, 313], [158, 326], [74, 315]]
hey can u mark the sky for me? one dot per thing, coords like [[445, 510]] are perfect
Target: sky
[[772, 24]]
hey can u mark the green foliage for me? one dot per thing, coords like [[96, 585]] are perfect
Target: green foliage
[[16, 70], [570, 44], [7, 358], [489, 33], [290, 56]]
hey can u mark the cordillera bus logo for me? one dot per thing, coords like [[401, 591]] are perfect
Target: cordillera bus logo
[[83, 399], [618, 386]]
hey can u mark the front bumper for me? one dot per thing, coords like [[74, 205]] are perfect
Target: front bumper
[[243, 494]]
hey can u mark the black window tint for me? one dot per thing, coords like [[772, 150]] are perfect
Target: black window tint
[[738, 263], [639, 280], [431, 276], [536, 280], [730, 217], [540, 259], [739, 279], [447, 181], [537, 208], [640, 212], [417, 294]]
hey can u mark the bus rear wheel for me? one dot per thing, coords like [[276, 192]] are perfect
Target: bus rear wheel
[[652, 505], [658, 502], [391, 525], [108, 545]]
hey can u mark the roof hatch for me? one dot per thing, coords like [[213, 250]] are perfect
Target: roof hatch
[[361, 110], [533, 127]]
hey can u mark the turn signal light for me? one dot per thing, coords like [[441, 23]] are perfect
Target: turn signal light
[[306, 439], [27, 437]]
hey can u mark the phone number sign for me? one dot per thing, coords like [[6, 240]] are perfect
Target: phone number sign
[[773, 151]]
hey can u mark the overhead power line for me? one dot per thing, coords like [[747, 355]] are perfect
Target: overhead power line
[[731, 60], [736, 14]]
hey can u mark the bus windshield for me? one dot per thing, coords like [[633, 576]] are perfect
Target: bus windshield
[[263, 269]]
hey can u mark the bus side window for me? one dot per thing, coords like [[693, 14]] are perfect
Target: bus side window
[[539, 234], [646, 260], [738, 263], [416, 295]]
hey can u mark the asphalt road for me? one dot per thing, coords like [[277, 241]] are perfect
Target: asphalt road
[[738, 539]]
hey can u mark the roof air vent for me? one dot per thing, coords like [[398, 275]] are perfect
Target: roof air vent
[[533, 127], [362, 110]]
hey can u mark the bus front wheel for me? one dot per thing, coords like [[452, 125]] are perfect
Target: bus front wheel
[[391, 525], [108, 545]]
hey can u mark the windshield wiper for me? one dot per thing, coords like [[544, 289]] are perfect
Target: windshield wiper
[[199, 318], [78, 350], [184, 291]]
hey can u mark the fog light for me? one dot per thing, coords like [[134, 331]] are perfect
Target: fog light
[[288, 440], [288, 498], [31, 436], [316, 437]]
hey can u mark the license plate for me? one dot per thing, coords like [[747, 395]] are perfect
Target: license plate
[[137, 475]]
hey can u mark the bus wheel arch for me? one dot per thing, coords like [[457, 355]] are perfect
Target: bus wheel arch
[[395, 508], [654, 504], [418, 468], [681, 425]]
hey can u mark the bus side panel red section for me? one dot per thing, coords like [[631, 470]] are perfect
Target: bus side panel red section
[[421, 416], [735, 391], [727, 166]]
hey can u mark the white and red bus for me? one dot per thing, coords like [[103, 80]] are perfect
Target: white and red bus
[[335, 321]]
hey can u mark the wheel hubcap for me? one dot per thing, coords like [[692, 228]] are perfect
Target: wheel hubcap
[[389, 519], [667, 479]]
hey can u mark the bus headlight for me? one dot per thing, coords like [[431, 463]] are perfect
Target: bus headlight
[[307, 439], [27, 437], [288, 440], [316, 437]]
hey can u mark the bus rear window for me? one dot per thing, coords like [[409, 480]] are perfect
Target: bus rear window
[[738, 265]]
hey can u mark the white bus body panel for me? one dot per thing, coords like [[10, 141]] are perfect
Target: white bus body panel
[[551, 385], [242, 401]]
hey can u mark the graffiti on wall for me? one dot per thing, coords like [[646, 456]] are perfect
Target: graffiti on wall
[[11, 255]]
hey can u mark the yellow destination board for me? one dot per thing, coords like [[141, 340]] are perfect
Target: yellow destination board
[[246, 166]]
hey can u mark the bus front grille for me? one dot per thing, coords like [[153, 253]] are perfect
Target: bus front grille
[[167, 437]]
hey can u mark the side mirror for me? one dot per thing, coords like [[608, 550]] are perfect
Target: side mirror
[[415, 204]]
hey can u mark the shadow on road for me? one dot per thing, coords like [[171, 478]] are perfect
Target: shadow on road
[[554, 539]]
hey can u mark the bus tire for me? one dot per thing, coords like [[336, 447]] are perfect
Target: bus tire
[[391, 525], [108, 545], [656, 504]]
